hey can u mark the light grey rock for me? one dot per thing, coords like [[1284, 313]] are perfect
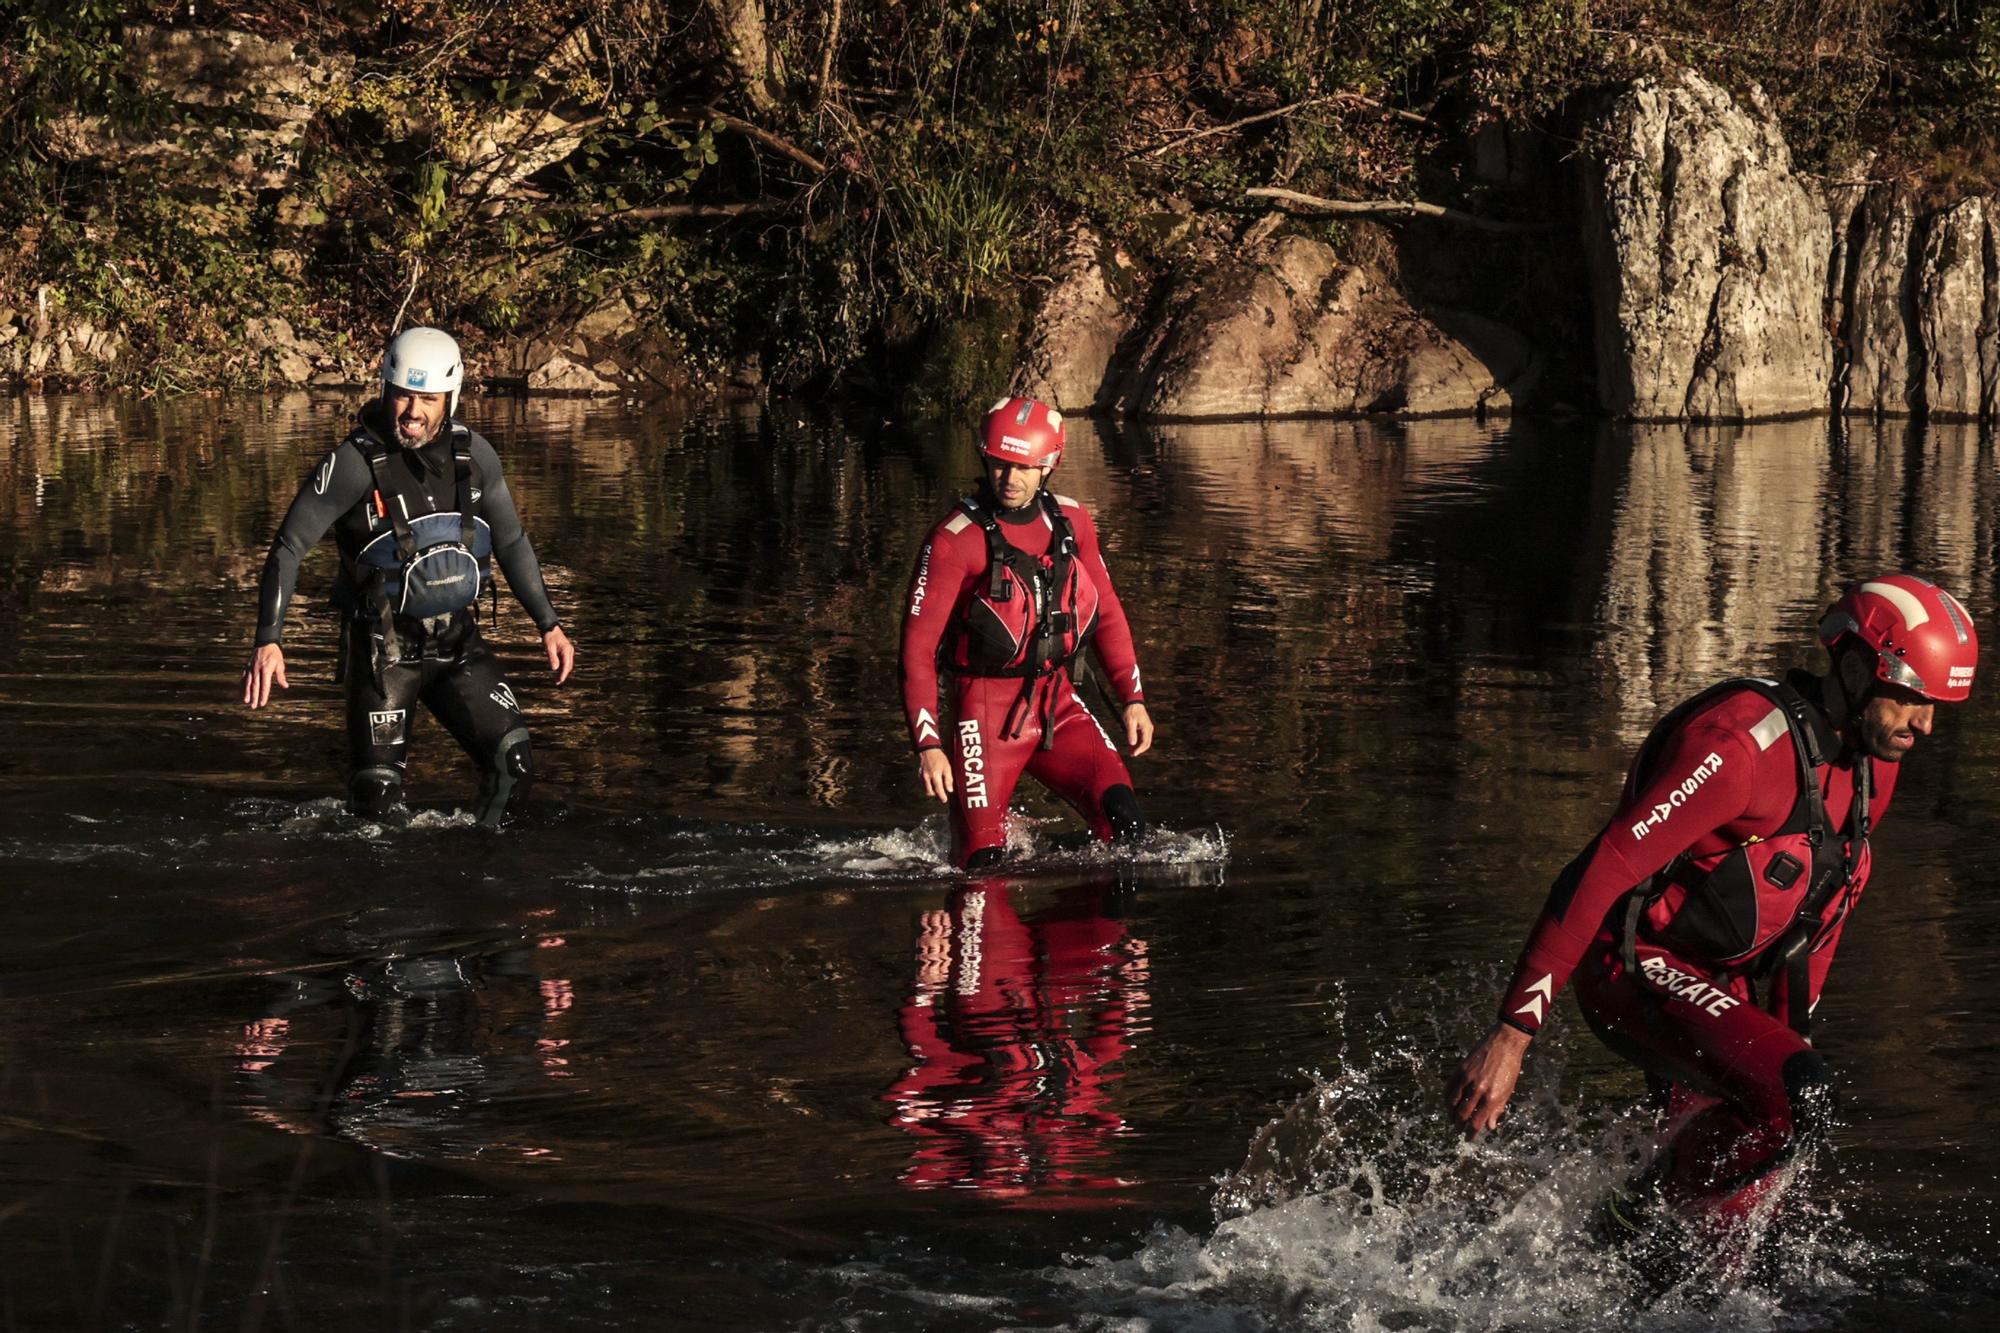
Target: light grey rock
[[1709, 256], [1954, 298], [1076, 330], [507, 148], [609, 319], [559, 374], [1876, 307], [288, 354], [1289, 330], [242, 105]]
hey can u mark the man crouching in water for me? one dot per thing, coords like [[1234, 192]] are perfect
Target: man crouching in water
[[1736, 855], [1006, 593], [418, 507]]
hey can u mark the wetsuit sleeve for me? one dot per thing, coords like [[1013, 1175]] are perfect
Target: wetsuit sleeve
[[943, 573], [1113, 641], [1652, 826], [511, 547], [336, 485]]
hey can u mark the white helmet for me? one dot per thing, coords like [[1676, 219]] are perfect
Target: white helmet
[[424, 361]]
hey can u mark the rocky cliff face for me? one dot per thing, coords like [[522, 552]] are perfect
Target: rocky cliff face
[[1916, 303], [1285, 328], [1709, 256]]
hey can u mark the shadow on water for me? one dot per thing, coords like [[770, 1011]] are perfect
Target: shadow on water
[[712, 1038]]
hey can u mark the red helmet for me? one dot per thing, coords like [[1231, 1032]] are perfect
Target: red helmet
[[1923, 639], [1022, 431]]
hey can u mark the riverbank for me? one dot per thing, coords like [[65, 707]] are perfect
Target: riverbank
[[1267, 211]]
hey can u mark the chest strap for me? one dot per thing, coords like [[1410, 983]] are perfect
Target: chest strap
[[465, 479], [1053, 586], [1791, 952]]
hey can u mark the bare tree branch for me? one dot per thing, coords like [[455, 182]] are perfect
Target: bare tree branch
[[1293, 201], [771, 141], [660, 212], [827, 52]]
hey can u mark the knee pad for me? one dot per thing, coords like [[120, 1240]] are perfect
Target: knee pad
[[1121, 811], [506, 778], [373, 792], [985, 858], [1813, 1095]]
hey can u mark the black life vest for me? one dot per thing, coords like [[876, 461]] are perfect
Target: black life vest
[[429, 565], [1032, 618], [1036, 613], [1764, 906]]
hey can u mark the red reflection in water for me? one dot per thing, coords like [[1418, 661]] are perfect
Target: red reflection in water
[[1016, 1025]]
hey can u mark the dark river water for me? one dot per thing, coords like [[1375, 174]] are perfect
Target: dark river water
[[711, 1039]]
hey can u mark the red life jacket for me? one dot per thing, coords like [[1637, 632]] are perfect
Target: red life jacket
[[1035, 612], [1769, 903]]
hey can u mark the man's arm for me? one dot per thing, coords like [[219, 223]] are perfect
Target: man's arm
[[941, 576], [1113, 643], [335, 486], [1637, 843], [515, 555]]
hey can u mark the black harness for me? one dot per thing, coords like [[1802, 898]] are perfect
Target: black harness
[[1048, 649], [1832, 869], [428, 551]]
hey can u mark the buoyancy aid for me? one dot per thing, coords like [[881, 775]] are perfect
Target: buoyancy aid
[[424, 565], [1032, 617], [1762, 907]]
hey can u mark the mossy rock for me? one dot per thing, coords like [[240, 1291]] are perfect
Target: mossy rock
[[967, 362]]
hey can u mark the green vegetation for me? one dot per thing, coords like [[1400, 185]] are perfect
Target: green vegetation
[[820, 189]]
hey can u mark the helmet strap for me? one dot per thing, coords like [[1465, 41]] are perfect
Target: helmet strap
[[1843, 702]]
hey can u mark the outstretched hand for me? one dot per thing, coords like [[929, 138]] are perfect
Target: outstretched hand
[[1477, 1093], [265, 669]]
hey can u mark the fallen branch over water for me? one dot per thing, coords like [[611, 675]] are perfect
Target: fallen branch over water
[[1386, 208]]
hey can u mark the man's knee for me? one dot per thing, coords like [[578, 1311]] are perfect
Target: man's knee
[[372, 792], [507, 776], [1813, 1095], [1121, 811]]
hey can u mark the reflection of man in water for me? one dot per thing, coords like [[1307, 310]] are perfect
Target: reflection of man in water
[[1015, 1026], [1007, 591], [417, 506], [428, 1044], [1735, 856]]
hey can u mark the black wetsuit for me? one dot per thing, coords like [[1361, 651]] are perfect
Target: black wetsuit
[[442, 661]]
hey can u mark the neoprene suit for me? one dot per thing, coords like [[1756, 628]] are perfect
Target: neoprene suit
[[998, 722], [442, 662], [1720, 787]]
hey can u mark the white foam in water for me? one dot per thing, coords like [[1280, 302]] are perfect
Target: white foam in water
[[1359, 1208], [1032, 844]]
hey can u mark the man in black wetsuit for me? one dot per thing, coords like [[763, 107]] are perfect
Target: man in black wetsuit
[[418, 507]]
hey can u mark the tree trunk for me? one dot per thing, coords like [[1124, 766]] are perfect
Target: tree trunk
[[747, 47]]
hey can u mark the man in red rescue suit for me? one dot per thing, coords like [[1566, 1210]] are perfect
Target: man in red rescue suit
[[1007, 591], [1735, 858]]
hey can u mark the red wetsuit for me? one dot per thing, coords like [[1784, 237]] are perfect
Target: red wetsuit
[[995, 723], [1748, 1089]]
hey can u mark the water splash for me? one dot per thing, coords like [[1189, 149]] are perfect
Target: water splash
[[1358, 1208]]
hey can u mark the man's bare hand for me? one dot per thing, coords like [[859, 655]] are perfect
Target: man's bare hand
[[266, 668], [1478, 1092], [935, 771], [562, 654], [1138, 730]]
